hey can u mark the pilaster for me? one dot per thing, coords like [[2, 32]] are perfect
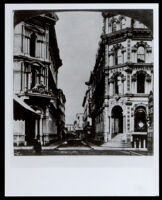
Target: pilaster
[[41, 129]]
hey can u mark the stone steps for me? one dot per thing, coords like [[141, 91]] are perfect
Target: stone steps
[[118, 141]]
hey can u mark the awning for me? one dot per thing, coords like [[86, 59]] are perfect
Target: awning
[[21, 109]]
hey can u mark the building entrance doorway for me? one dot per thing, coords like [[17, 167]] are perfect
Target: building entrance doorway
[[140, 120], [117, 120], [29, 130]]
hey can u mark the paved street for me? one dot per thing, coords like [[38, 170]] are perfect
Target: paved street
[[79, 152], [82, 148]]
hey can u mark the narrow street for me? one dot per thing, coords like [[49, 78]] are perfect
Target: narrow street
[[76, 147], [56, 112]]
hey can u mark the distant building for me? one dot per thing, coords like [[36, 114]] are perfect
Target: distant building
[[78, 123], [87, 119], [38, 103], [70, 127], [121, 82]]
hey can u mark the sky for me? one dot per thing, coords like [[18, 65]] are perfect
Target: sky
[[78, 35]]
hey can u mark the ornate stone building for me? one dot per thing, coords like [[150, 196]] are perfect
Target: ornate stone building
[[39, 106], [121, 81]]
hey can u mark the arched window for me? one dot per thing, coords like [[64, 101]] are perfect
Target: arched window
[[32, 44], [113, 26], [141, 83], [140, 123], [119, 57], [141, 55], [117, 120]]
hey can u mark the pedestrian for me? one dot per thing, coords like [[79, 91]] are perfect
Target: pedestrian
[[37, 147]]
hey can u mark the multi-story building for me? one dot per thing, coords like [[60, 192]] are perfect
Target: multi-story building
[[121, 81], [87, 120], [78, 125], [150, 123], [61, 114], [38, 103]]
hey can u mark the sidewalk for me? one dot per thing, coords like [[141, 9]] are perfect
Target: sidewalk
[[95, 147], [51, 146]]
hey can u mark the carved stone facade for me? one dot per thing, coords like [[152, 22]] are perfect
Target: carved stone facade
[[39, 106], [121, 81]]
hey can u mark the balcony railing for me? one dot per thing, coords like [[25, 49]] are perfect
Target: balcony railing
[[39, 90]]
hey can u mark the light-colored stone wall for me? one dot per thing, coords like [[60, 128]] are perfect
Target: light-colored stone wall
[[17, 77], [19, 132]]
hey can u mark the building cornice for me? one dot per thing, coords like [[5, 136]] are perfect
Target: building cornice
[[22, 57], [131, 65], [127, 33]]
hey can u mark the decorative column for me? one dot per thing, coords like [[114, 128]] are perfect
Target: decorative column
[[110, 134], [106, 124], [144, 143], [106, 55], [120, 85], [140, 143], [36, 128], [105, 110], [134, 83], [124, 124], [148, 84], [41, 129], [132, 120], [22, 77], [111, 81], [47, 76], [112, 126]]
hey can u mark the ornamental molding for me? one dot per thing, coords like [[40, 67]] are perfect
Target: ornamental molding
[[121, 17], [117, 46], [147, 76], [117, 20], [134, 77], [117, 74], [128, 70], [142, 44], [123, 34]]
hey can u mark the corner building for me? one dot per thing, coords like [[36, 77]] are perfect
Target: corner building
[[121, 81], [39, 105]]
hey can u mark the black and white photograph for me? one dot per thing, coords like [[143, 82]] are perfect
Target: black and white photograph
[[83, 83], [71, 99]]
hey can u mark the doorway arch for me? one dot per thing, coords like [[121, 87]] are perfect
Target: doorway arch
[[117, 120], [140, 119]]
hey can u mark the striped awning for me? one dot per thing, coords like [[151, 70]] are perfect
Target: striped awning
[[21, 108]]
